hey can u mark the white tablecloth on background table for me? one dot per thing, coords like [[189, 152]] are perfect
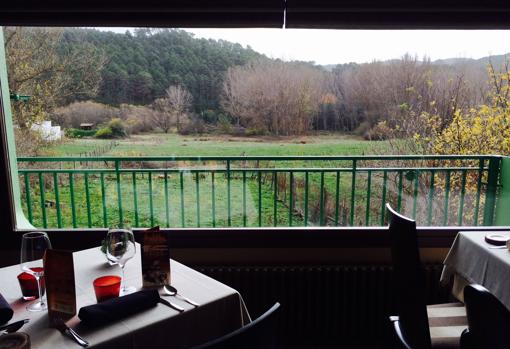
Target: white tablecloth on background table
[[470, 260], [222, 309]]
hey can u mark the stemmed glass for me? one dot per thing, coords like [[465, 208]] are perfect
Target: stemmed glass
[[120, 247], [33, 246]]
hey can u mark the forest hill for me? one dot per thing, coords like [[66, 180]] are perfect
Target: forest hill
[[235, 87]]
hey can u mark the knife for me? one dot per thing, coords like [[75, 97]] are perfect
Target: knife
[[14, 326], [69, 332], [171, 305]]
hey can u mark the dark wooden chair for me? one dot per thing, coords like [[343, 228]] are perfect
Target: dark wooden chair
[[258, 334], [399, 342], [419, 326], [488, 320]]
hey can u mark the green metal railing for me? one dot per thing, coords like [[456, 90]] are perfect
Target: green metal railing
[[258, 191]]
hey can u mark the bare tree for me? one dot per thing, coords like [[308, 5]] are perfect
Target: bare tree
[[38, 66], [273, 96], [402, 94], [172, 109], [162, 115], [178, 101]]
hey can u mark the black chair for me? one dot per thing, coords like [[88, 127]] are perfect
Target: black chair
[[420, 326], [488, 320], [399, 340], [258, 334]]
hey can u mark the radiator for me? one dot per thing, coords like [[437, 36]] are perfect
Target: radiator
[[323, 305]]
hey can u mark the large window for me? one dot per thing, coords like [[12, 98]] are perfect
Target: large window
[[256, 127]]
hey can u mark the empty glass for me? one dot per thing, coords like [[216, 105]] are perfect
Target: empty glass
[[120, 247]]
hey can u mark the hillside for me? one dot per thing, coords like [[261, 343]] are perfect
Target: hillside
[[496, 60], [140, 66]]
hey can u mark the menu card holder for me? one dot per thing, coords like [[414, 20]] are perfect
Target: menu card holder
[[155, 258], [60, 284]]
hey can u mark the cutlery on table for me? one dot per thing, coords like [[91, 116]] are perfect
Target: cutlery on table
[[497, 247], [69, 332], [172, 291], [171, 305], [14, 326]]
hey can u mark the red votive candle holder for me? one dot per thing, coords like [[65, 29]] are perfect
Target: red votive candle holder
[[28, 285], [107, 287]]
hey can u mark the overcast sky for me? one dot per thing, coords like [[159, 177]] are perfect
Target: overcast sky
[[344, 46]]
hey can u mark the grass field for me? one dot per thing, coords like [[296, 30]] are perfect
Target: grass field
[[189, 204], [195, 193], [175, 145]]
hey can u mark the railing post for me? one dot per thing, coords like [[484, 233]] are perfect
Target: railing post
[[28, 198], [503, 199], [73, 204], [213, 199], [321, 202], [151, 202], [492, 186], [353, 192], [229, 216], [119, 194]]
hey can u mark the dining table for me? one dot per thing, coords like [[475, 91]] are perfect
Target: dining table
[[221, 308], [472, 260]]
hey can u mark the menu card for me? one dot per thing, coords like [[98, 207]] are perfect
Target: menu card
[[155, 258], [60, 285]]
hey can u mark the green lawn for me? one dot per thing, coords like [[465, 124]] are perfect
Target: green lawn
[[175, 145], [329, 198], [194, 205]]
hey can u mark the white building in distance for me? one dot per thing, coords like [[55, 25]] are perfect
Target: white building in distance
[[48, 132]]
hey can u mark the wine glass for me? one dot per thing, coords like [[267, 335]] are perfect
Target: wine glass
[[120, 247], [33, 246]]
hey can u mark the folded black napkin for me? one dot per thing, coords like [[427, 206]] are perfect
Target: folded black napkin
[[117, 308], [5, 310]]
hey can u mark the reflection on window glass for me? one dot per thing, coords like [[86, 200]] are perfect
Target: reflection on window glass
[[257, 127]]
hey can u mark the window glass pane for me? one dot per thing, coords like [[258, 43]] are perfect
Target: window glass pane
[[256, 127]]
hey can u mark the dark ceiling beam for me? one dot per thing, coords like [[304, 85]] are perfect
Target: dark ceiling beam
[[398, 14], [345, 14], [143, 13]]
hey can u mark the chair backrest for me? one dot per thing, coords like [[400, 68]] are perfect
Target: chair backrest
[[398, 337], [409, 281], [488, 319], [258, 334]]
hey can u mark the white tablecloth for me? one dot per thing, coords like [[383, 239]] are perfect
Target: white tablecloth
[[470, 260], [222, 309]]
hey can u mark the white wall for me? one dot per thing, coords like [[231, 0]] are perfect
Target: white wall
[[48, 132]]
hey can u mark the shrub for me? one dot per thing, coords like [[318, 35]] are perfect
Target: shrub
[[76, 113], [195, 126], [137, 118], [238, 131], [379, 132], [134, 126], [118, 128], [105, 132], [77, 133], [224, 125], [210, 116], [29, 143], [254, 131], [362, 128]]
